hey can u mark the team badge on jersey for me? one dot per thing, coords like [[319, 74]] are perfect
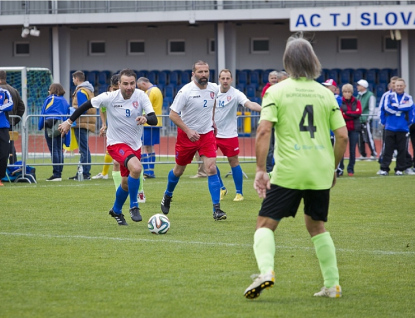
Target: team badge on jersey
[[229, 98], [212, 95], [135, 104]]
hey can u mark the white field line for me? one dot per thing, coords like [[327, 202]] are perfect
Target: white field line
[[84, 237]]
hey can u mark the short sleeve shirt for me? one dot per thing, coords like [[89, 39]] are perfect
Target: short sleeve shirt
[[225, 113], [121, 116], [303, 113], [196, 106]]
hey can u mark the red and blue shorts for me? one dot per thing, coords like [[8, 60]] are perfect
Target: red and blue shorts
[[120, 152], [186, 149]]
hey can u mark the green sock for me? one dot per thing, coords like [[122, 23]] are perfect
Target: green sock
[[326, 254], [264, 249], [141, 188], [116, 177]]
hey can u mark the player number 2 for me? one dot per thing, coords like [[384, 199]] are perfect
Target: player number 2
[[308, 113]]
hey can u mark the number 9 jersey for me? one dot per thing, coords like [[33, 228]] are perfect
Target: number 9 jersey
[[122, 114]]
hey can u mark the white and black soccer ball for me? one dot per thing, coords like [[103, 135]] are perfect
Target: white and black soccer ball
[[158, 224]]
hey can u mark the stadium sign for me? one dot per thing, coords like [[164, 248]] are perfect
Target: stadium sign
[[353, 18]]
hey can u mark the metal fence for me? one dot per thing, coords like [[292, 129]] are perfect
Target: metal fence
[[32, 149]]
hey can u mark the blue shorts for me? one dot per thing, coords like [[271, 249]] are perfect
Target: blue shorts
[[151, 136]]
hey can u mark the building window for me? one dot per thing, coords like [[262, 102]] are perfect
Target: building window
[[96, 47], [347, 44], [136, 47], [176, 47], [21, 49], [211, 46], [259, 45], [389, 45]]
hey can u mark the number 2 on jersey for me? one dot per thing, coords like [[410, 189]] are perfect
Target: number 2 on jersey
[[308, 112]]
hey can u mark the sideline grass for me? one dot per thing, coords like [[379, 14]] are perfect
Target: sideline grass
[[63, 256]]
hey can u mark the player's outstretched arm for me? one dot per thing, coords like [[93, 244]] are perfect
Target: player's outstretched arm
[[66, 125], [253, 106]]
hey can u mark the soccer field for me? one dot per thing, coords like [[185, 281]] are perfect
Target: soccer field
[[62, 255]]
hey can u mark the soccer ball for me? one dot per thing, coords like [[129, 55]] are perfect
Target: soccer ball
[[158, 224]]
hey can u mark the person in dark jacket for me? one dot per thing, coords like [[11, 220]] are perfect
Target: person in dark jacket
[[18, 110], [55, 106], [351, 110], [6, 105]]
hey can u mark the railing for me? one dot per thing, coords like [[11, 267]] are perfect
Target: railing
[[33, 150], [31, 145], [76, 7]]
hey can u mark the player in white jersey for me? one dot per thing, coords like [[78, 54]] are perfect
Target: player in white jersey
[[125, 109], [226, 122], [195, 132]]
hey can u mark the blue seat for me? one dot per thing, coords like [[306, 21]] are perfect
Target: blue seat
[[102, 88], [334, 74], [212, 76], [169, 91], [241, 77], [250, 91], [372, 75], [358, 74], [254, 78], [141, 73], [345, 75], [174, 77], [394, 72], [185, 76], [103, 78], [163, 77], [160, 87], [240, 87], [384, 75], [153, 76], [179, 87], [92, 77], [380, 89]]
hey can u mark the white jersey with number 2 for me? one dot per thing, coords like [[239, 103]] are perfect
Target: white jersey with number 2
[[121, 115], [196, 106]]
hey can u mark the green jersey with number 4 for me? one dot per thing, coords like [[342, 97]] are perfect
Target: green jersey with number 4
[[303, 112]]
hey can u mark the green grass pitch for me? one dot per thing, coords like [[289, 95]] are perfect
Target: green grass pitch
[[62, 255]]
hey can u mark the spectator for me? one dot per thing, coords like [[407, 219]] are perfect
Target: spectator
[[84, 91], [6, 105], [272, 79], [201, 172], [18, 110], [397, 114], [383, 100], [368, 102], [351, 110], [55, 105]]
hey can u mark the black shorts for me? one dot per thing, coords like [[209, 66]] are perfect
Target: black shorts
[[282, 202]]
